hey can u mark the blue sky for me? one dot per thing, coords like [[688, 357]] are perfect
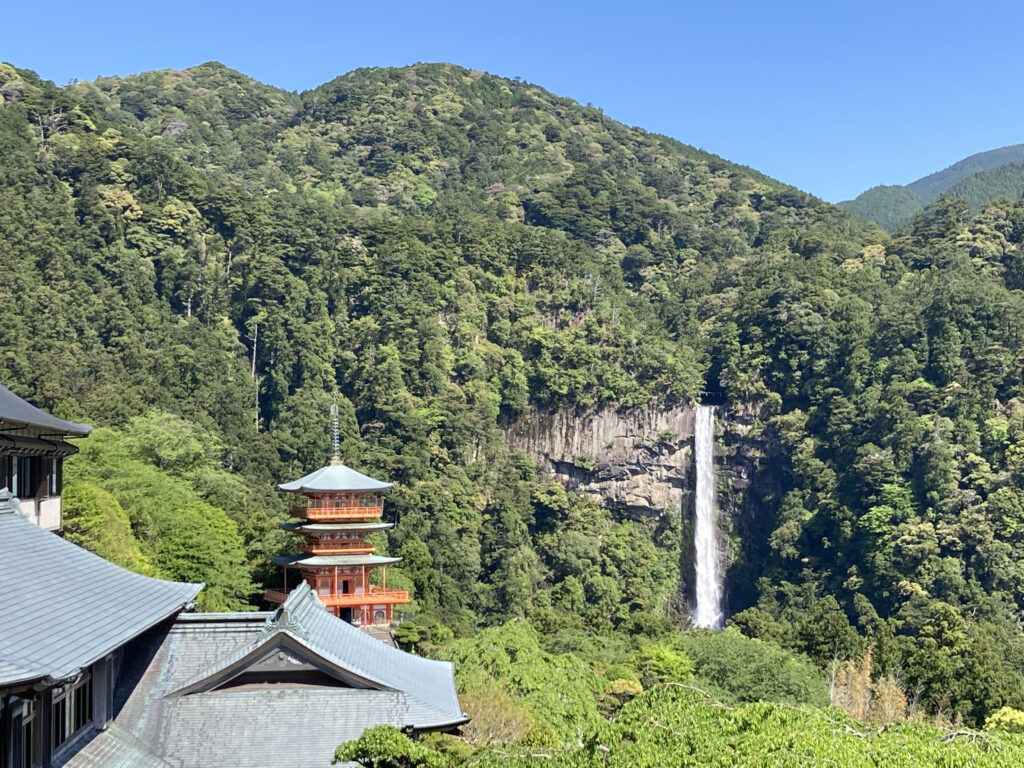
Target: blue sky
[[832, 97]]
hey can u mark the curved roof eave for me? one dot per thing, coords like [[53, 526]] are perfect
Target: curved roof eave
[[18, 411], [303, 617], [223, 670], [339, 560], [76, 608], [374, 526]]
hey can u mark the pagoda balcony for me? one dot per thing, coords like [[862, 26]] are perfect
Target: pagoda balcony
[[333, 548], [331, 510], [375, 596]]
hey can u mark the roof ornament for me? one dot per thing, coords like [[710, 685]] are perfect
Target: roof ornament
[[285, 618], [335, 433], [6, 501], [11, 503]]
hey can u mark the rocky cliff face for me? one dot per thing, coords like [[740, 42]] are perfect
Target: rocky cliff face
[[637, 461]]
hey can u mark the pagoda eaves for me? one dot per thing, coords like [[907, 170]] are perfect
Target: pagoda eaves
[[361, 526], [333, 478], [346, 560]]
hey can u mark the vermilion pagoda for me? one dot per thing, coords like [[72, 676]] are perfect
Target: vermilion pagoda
[[338, 507]]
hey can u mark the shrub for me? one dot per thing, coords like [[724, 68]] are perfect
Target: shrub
[[753, 670], [1006, 719], [662, 664], [384, 746]]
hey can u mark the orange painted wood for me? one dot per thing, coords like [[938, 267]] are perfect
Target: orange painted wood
[[376, 596], [337, 514], [334, 549]]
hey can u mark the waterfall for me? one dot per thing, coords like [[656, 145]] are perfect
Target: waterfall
[[709, 569]]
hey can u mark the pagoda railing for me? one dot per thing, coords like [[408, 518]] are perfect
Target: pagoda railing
[[330, 502], [275, 595], [375, 596], [340, 549], [336, 513]]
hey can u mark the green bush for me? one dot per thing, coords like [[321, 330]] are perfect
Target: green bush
[[506, 663], [680, 727], [662, 664], [1006, 719], [753, 670], [384, 746]]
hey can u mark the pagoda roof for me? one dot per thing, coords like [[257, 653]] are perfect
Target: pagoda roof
[[65, 607], [376, 526], [334, 477], [305, 559], [15, 410]]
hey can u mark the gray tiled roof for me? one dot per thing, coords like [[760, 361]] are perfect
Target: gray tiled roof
[[13, 408], [304, 618], [114, 748], [274, 726], [284, 728], [334, 477], [65, 607], [304, 559]]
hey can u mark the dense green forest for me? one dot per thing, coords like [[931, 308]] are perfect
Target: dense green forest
[[976, 180], [200, 264], [890, 206]]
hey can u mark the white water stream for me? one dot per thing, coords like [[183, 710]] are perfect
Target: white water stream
[[709, 569]]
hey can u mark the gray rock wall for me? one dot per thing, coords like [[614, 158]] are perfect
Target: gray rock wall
[[637, 460]]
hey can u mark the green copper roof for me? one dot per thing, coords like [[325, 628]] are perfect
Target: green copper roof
[[334, 477]]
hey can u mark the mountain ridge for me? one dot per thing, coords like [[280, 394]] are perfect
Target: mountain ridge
[[977, 179], [134, 83], [931, 186]]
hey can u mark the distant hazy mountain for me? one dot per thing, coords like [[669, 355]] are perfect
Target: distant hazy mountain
[[977, 179]]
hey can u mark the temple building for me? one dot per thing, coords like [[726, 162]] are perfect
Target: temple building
[[101, 667], [69, 618], [32, 453], [280, 689], [338, 507]]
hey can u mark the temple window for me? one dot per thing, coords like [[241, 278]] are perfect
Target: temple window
[[25, 741], [71, 711]]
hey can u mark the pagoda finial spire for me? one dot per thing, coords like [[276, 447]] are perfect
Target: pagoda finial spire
[[335, 434]]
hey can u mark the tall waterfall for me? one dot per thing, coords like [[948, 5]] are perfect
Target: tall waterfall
[[709, 569]]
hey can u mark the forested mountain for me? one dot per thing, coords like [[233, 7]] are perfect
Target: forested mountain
[[888, 205], [931, 186], [978, 189], [976, 179], [200, 264]]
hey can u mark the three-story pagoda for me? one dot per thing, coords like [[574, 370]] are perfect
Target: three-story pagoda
[[338, 507]]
